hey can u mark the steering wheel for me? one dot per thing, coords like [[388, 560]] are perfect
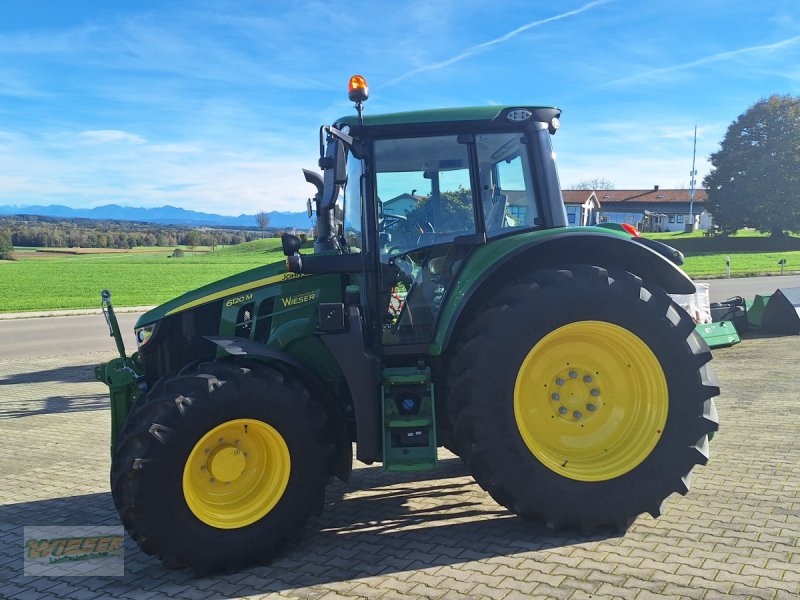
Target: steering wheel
[[404, 267]]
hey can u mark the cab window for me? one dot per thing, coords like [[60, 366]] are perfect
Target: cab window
[[352, 228], [424, 192], [507, 191]]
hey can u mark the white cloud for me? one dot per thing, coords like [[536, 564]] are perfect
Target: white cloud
[[104, 136]]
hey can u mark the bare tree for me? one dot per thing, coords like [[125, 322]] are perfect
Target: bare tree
[[262, 219], [595, 183]]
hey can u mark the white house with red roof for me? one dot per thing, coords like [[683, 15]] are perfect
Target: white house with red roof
[[648, 210]]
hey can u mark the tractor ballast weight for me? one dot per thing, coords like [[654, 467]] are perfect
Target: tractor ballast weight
[[446, 303]]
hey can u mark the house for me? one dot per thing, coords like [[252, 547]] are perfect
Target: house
[[648, 210], [400, 205], [582, 209]]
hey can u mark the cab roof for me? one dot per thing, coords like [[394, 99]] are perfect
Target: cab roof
[[440, 115]]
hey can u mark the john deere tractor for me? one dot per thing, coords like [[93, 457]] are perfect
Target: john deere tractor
[[445, 303]]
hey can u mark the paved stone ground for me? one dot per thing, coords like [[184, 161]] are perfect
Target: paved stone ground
[[736, 534]]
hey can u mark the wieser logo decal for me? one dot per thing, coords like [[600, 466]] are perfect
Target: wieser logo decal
[[65, 551]]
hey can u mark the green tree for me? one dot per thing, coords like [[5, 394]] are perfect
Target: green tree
[[755, 181], [193, 239], [6, 249], [452, 212]]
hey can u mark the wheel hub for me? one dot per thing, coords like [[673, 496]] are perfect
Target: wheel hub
[[226, 463], [575, 395]]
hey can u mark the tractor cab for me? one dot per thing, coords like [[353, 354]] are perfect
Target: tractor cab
[[408, 197]]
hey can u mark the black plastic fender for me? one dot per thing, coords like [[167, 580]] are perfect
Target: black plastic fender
[[236, 346]]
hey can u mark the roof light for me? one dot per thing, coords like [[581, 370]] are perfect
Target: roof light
[[357, 89], [519, 114]]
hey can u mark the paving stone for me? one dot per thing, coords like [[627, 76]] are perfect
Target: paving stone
[[736, 534]]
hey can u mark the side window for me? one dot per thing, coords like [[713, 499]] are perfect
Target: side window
[[506, 183], [352, 228], [423, 187]]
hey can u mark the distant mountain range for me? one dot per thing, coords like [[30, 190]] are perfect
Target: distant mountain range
[[164, 215]]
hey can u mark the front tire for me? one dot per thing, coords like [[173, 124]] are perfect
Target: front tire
[[581, 399], [219, 465]]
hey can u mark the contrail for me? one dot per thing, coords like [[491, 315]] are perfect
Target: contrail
[[477, 49], [707, 59]]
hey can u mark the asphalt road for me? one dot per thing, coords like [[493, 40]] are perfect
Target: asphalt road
[[58, 336], [747, 287]]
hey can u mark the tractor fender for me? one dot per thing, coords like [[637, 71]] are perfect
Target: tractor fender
[[489, 267], [236, 346]]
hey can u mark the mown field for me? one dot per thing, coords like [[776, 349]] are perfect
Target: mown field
[[65, 279]]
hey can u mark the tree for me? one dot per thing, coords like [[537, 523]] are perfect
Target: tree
[[6, 249], [193, 238], [595, 183], [755, 180], [262, 219]]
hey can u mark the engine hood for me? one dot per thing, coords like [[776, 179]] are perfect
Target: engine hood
[[230, 288]]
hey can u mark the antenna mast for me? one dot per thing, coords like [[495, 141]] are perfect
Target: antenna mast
[[692, 175]]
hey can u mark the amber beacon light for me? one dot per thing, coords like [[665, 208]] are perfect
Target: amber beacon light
[[357, 89]]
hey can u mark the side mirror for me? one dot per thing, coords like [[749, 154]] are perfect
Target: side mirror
[[291, 244], [334, 164]]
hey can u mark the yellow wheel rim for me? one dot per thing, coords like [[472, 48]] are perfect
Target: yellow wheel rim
[[591, 401], [236, 473]]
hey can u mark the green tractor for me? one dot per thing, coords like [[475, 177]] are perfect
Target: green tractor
[[445, 303]]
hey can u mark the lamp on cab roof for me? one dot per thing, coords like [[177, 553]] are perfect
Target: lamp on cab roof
[[357, 89], [358, 92]]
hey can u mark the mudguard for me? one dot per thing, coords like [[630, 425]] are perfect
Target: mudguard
[[236, 346], [501, 259]]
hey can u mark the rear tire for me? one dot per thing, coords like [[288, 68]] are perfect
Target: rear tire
[[581, 399], [220, 465]]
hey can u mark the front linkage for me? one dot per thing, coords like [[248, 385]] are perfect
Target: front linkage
[[119, 374]]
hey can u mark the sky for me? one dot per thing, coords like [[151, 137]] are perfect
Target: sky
[[216, 105]]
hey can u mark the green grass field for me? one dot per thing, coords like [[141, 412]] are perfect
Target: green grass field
[[743, 264], [59, 280], [47, 281], [679, 235]]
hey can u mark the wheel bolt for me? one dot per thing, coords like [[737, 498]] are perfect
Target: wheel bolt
[[577, 414], [573, 374], [212, 480], [221, 440], [563, 410], [559, 381], [590, 407], [587, 378], [595, 392], [555, 396], [202, 467]]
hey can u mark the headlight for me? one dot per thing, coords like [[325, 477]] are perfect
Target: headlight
[[143, 334]]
